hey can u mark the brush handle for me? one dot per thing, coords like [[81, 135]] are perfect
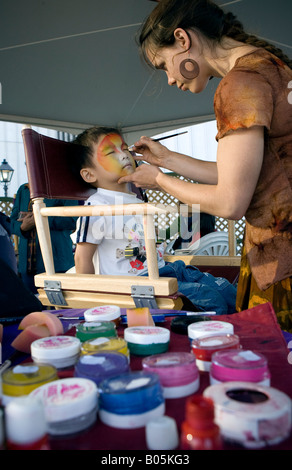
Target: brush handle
[[169, 136], [8, 362]]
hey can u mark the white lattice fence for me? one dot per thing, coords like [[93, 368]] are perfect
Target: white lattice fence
[[222, 226], [163, 222], [6, 205]]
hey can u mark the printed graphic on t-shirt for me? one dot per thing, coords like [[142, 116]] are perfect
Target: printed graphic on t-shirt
[[135, 250]]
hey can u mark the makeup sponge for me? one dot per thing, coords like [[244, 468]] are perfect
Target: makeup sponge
[[139, 317], [48, 319], [34, 326], [23, 341]]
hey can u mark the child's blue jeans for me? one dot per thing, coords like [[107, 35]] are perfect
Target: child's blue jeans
[[205, 291]]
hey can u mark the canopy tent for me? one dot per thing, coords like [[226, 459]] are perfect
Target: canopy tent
[[71, 64]]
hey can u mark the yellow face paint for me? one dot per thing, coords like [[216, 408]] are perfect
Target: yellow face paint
[[113, 155]]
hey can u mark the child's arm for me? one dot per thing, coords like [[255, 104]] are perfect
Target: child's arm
[[84, 258]]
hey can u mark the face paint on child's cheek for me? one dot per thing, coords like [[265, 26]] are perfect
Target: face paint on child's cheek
[[109, 155], [130, 168]]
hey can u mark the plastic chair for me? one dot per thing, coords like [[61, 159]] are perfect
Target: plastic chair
[[50, 176], [212, 244]]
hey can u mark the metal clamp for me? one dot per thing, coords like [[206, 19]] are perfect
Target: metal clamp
[[54, 292], [144, 296]]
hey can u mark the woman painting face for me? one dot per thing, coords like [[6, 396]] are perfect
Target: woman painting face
[[114, 156]]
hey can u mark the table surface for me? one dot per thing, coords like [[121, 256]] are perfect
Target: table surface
[[257, 329]]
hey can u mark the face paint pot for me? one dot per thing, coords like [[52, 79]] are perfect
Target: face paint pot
[[103, 313], [60, 351], [204, 348], [90, 330], [209, 328], [105, 344], [249, 414], [180, 324], [22, 379], [178, 373], [239, 365], [70, 405], [131, 400], [100, 366], [147, 340]]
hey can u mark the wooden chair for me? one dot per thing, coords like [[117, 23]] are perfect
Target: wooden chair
[[50, 176]]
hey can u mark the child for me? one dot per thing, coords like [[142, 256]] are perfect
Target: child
[[119, 240], [105, 159]]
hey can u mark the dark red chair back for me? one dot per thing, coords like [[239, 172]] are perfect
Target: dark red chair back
[[48, 167]]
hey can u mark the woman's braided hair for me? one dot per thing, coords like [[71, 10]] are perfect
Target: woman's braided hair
[[199, 15]]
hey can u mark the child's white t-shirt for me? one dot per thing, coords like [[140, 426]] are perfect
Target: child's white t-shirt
[[113, 234]]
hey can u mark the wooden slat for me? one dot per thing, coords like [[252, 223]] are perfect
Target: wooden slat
[[205, 260], [44, 235], [93, 299], [150, 246], [231, 238], [163, 286], [106, 210]]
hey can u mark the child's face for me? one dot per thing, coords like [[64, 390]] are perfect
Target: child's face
[[113, 155]]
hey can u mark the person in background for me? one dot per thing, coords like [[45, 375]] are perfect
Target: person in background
[[30, 260], [15, 298], [7, 252], [193, 41]]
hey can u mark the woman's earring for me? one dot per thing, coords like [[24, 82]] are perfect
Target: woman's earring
[[190, 72]]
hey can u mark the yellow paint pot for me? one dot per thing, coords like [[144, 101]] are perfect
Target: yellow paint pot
[[22, 379], [105, 344]]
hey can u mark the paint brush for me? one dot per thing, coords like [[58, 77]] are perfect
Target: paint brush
[[9, 361], [169, 136], [160, 317], [163, 138]]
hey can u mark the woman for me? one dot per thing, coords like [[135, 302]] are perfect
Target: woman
[[193, 41]]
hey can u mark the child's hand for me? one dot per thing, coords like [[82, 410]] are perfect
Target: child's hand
[[21, 215], [28, 222]]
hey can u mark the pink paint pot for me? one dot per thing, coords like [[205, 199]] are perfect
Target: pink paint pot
[[178, 373], [204, 348], [241, 366]]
